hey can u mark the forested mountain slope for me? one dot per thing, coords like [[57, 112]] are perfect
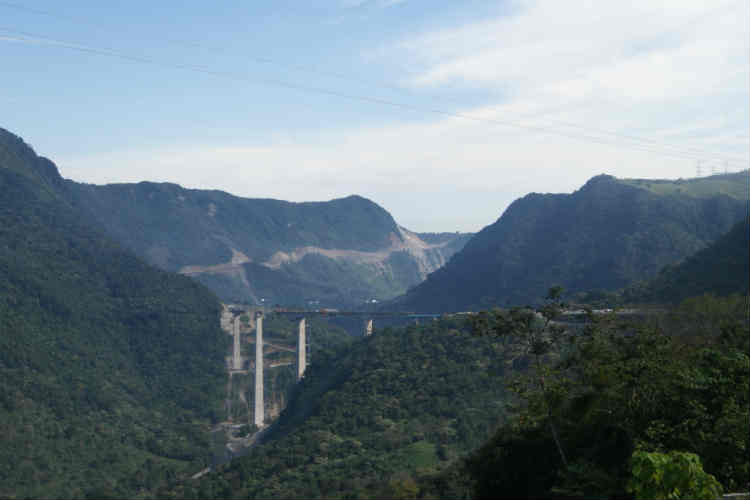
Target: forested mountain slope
[[606, 235], [329, 254], [110, 370], [364, 421], [722, 268]]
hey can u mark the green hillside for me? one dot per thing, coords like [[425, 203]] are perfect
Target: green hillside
[[734, 185], [110, 370], [404, 400], [604, 236], [722, 269]]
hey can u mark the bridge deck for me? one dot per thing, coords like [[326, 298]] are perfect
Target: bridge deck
[[369, 314]]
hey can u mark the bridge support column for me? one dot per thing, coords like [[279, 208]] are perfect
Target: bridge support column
[[259, 407], [301, 352], [236, 349], [368, 327]]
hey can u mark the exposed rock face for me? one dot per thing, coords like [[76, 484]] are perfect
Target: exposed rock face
[[427, 256], [407, 250], [340, 253]]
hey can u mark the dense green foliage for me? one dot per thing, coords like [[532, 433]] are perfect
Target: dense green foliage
[[604, 236], [398, 404], [393, 416], [172, 227], [674, 383], [722, 268], [672, 475], [110, 370]]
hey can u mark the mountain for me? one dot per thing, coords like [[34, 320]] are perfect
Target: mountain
[[606, 235], [329, 254], [110, 370], [722, 269]]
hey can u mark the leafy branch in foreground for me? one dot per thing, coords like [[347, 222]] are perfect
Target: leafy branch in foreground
[[671, 475]]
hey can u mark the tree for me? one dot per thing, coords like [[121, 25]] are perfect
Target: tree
[[672, 475], [663, 384], [539, 338]]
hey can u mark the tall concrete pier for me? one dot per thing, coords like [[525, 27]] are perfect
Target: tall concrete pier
[[236, 351], [301, 352], [368, 327], [259, 409]]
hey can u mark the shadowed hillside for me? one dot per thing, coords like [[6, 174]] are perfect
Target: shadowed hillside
[[722, 269], [604, 236]]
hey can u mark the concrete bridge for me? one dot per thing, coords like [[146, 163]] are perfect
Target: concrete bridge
[[231, 323], [301, 358]]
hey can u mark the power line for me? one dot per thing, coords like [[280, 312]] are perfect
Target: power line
[[34, 11], [688, 152], [107, 52]]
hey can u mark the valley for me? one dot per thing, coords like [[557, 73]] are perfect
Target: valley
[[375, 249], [541, 356]]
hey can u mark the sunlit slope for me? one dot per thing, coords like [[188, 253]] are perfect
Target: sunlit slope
[[604, 236], [110, 370], [735, 185], [341, 252]]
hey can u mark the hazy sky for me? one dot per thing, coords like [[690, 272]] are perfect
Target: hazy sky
[[441, 111]]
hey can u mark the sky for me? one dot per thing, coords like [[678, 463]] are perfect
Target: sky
[[442, 112]]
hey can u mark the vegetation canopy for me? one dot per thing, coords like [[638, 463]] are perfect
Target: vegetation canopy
[[619, 395]]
